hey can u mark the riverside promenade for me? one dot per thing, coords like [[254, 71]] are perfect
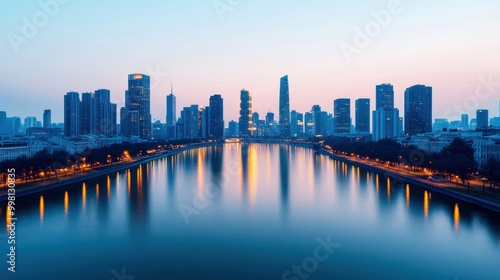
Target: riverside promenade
[[53, 183], [449, 189]]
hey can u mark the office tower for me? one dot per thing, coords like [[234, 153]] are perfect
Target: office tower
[[385, 118], [384, 96], [363, 115], [216, 117], [342, 115], [385, 124], [87, 119], [137, 103], [171, 109], [190, 120], [29, 122], [309, 124], [72, 113], [3, 123], [206, 122], [482, 118], [105, 118], [47, 119], [465, 122], [418, 109], [293, 124], [13, 125], [284, 117], [270, 130], [300, 124], [245, 121], [233, 129], [317, 128]]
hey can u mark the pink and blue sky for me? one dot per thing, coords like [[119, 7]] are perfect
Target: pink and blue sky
[[87, 45]]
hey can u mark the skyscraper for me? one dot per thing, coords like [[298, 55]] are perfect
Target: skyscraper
[[216, 117], [3, 123], [137, 104], [72, 112], [386, 121], [342, 115], [294, 130], [190, 118], [363, 115], [482, 118], [465, 122], [284, 118], [245, 121], [88, 114], [384, 96], [47, 119], [171, 108], [418, 109], [104, 120]]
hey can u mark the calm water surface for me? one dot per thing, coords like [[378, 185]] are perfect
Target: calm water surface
[[254, 211]]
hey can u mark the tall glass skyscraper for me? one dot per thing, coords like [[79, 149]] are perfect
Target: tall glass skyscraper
[[245, 121], [385, 117], [47, 119], [72, 111], [363, 115], [284, 117], [384, 96], [216, 117], [482, 118], [418, 109], [342, 115], [136, 115]]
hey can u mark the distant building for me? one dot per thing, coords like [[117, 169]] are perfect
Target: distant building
[[72, 114], [418, 109], [3, 123], [232, 129], [482, 119], [465, 122], [309, 124], [284, 117], [385, 118], [171, 115], [363, 115], [190, 120], [245, 121], [342, 115], [137, 110], [441, 124], [47, 119], [216, 117]]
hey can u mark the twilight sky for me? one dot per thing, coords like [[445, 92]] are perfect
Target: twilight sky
[[87, 45]]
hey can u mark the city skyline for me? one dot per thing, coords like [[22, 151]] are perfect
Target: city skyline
[[313, 55]]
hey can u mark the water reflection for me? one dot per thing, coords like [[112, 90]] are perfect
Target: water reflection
[[284, 177], [42, 209], [66, 203], [84, 195], [456, 217], [426, 204], [408, 195]]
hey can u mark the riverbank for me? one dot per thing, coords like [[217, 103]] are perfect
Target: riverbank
[[91, 174], [400, 176]]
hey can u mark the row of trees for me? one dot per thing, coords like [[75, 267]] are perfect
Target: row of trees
[[45, 164], [456, 159]]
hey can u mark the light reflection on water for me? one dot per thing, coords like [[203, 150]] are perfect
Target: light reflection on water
[[272, 202]]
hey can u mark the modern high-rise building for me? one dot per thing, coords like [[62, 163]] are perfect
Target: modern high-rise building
[[271, 129], [385, 118], [171, 109], [105, 120], [216, 117], [384, 96], [309, 124], [284, 117], [137, 103], [206, 122], [72, 113], [482, 118], [190, 120], [13, 125], [418, 109], [317, 128], [3, 123], [385, 124], [88, 115], [47, 119], [245, 121], [363, 115], [465, 122], [232, 129], [342, 115], [294, 127]]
